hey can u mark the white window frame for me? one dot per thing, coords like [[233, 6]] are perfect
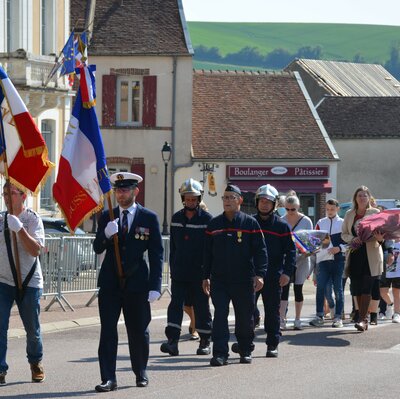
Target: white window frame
[[48, 27], [130, 80]]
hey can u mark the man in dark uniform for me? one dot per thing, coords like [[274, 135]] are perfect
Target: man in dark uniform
[[281, 263], [186, 263], [138, 231], [235, 263]]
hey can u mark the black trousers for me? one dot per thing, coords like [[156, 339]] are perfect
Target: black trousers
[[199, 300], [136, 310], [242, 297], [271, 296]]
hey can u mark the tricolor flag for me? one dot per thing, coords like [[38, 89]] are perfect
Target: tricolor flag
[[21, 141], [82, 174]]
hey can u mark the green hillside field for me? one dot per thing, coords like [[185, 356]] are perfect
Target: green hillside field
[[338, 41]]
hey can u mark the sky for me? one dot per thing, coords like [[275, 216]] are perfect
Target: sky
[[374, 12]]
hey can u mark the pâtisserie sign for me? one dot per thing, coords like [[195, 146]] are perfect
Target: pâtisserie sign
[[277, 172]]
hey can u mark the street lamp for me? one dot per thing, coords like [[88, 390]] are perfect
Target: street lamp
[[166, 156]]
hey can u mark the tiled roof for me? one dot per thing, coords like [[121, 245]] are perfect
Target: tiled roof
[[135, 27], [349, 78], [361, 117], [253, 116]]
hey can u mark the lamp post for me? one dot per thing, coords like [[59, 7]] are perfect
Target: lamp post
[[166, 156]]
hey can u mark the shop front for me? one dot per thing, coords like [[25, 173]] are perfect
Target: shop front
[[311, 184]]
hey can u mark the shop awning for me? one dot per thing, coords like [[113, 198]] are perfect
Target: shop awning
[[301, 186]]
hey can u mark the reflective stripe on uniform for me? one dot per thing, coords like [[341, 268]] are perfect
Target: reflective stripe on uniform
[[174, 325], [189, 226]]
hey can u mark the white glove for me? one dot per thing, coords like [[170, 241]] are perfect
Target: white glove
[[111, 228], [14, 223], [153, 296]]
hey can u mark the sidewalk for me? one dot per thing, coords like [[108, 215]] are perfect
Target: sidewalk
[[55, 319]]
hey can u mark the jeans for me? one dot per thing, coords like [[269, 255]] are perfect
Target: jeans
[[29, 310], [331, 270]]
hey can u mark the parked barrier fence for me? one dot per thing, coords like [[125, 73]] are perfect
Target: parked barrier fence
[[69, 265]]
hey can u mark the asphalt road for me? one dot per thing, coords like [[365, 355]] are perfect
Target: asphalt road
[[313, 363]]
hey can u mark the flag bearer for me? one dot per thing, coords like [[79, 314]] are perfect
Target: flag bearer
[[138, 231]]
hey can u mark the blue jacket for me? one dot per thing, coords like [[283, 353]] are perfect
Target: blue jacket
[[140, 277], [187, 245], [334, 227], [280, 245], [234, 251]]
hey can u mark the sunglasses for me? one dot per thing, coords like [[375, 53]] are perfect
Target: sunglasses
[[290, 209], [228, 197]]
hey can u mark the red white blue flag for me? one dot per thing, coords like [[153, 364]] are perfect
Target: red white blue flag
[[21, 142], [82, 174]]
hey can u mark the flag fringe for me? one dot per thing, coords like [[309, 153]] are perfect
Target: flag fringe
[[89, 104], [98, 208]]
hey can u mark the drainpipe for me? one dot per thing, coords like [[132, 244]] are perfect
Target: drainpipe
[[175, 166]]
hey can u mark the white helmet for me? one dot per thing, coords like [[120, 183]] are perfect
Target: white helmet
[[192, 187], [267, 191]]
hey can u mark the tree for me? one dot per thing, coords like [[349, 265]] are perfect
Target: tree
[[393, 64]]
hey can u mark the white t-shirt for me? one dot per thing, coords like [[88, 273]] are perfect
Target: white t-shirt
[[393, 270], [34, 226]]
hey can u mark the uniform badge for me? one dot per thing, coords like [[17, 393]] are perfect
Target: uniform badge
[[239, 236]]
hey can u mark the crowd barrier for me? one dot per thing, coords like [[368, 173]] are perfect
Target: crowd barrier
[[69, 265]]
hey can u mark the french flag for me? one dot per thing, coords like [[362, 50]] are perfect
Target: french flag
[[21, 143], [83, 177]]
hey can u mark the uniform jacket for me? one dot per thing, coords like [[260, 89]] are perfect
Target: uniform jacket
[[144, 235], [334, 227], [234, 251], [187, 245], [280, 246], [374, 249]]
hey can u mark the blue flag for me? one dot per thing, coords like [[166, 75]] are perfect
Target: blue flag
[[68, 63]]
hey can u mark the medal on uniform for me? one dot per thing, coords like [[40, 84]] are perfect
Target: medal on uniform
[[239, 236], [137, 236], [142, 237]]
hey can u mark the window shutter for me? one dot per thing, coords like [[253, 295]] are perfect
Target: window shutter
[[140, 170], [109, 95], [149, 101]]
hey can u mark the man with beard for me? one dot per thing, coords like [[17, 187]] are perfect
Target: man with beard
[[186, 262], [281, 263]]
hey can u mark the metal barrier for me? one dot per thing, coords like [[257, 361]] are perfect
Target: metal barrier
[[69, 265]]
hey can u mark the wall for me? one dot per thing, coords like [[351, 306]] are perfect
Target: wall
[[372, 163]]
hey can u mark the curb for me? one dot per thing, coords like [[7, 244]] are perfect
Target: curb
[[93, 321]]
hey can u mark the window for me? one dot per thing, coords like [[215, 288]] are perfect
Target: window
[[48, 27], [13, 25], [129, 101], [46, 196]]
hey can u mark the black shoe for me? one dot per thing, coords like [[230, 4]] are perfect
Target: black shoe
[[142, 382], [217, 361], [107, 386], [272, 351], [373, 319], [204, 347], [257, 321], [235, 347], [245, 358], [170, 347], [3, 377]]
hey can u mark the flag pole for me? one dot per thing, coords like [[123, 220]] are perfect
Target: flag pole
[[116, 245], [8, 193]]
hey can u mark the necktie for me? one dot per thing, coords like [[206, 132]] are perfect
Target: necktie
[[125, 223]]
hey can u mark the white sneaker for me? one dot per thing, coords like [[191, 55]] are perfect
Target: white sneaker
[[396, 318], [337, 323], [317, 322], [389, 311], [283, 324], [297, 325], [382, 316]]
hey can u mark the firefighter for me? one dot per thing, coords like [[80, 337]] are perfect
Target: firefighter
[[186, 262], [235, 262]]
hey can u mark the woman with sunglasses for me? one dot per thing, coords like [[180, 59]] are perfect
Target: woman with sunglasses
[[364, 263], [296, 221]]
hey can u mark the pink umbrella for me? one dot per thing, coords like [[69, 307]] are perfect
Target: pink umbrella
[[387, 222]]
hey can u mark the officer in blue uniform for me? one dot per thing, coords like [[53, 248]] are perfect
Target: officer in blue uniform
[[138, 231], [186, 264], [235, 263], [281, 263]]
